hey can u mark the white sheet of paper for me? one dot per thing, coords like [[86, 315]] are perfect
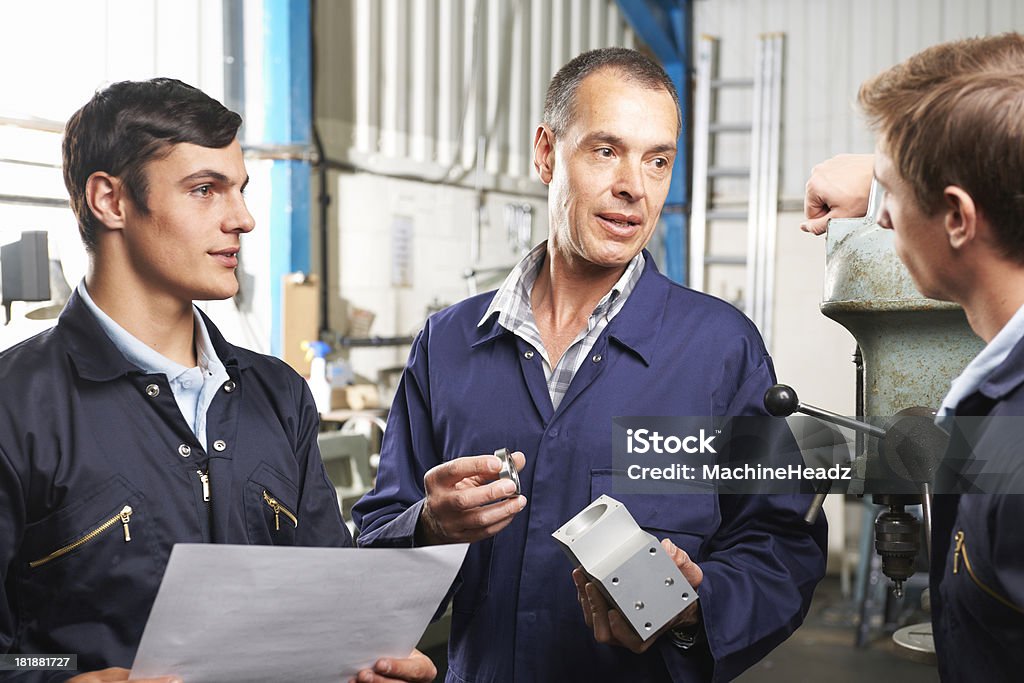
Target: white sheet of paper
[[268, 613]]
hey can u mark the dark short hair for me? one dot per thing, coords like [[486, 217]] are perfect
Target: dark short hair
[[560, 102], [953, 114], [128, 124]]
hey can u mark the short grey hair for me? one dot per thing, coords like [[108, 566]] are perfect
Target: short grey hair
[[560, 102]]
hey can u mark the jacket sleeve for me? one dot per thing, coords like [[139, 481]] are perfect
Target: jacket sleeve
[[12, 527], [322, 523], [387, 515], [760, 568]]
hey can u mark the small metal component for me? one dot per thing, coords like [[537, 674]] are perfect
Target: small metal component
[[508, 468]]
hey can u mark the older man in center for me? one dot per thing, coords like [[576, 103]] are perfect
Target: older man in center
[[583, 330]]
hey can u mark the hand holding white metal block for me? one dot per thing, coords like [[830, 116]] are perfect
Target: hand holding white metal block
[[629, 565]]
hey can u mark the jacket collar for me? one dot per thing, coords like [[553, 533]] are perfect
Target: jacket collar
[[636, 326], [97, 359], [1007, 376]]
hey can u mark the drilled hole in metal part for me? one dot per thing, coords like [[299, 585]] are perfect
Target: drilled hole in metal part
[[585, 520], [615, 581], [686, 596], [638, 604], [647, 625], [653, 551], [669, 581]]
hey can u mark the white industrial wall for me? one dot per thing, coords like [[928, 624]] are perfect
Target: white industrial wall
[[831, 47], [418, 89], [56, 53]]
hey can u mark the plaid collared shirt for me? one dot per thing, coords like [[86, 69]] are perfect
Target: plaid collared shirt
[[515, 314]]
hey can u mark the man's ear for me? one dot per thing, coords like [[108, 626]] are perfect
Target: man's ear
[[544, 153], [961, 216], [107, 201]]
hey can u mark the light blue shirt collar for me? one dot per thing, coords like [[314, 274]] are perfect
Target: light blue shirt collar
[[149, 361], [979, 369], [193, 388]]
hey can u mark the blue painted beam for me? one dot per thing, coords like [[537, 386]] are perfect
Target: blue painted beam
[[664, 26], [288, 121]]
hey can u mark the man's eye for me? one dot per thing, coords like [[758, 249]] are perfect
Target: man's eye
[[605, 152], [203, 190], [660, 163]]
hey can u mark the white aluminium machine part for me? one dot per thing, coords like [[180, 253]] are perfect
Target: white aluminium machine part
[[629, 565]]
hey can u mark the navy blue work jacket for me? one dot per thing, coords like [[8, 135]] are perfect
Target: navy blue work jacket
[[94, 452], [469, 390], [977, 563]]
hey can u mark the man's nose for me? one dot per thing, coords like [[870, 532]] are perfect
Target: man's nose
[[629, 181], [239, 219]]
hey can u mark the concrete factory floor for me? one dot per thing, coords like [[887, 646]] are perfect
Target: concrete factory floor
[[821, 650]]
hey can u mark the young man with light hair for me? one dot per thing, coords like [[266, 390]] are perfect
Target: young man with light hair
[[950, 160]]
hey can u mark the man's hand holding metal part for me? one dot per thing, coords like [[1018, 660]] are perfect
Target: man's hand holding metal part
[[467, 500], [611, 628]]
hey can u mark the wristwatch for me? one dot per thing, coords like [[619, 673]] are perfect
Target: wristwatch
[[685, 637]]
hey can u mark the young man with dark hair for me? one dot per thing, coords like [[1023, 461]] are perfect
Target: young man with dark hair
[[133, 424], [585, 329]]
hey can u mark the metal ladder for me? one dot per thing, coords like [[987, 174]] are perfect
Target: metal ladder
[[762, 174]]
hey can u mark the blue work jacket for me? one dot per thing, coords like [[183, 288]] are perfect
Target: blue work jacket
[[977, 563], [471, 389], [93, 452]]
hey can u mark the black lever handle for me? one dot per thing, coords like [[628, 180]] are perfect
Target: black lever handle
[[781, 401]]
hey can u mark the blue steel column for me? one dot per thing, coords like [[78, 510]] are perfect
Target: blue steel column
[[286, 59], [664, 26]]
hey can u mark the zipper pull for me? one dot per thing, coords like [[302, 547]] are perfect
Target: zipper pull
[[276, 507], [126, 513], [205, 478], [959, 549]]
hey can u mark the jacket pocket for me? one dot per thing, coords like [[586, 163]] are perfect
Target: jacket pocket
[[271, 507], [103, 525], [123, 516], [101, 548], [687, 518], [962, 560]]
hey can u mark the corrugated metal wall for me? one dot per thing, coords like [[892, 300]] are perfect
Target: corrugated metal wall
[[831, 47], [57, 52], [417, 86]]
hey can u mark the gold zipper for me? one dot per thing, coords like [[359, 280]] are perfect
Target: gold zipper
[[124, 516], [961, 550], [278, 509]]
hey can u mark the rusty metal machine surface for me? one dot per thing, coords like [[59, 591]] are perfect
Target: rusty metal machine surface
[[913, 347]]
